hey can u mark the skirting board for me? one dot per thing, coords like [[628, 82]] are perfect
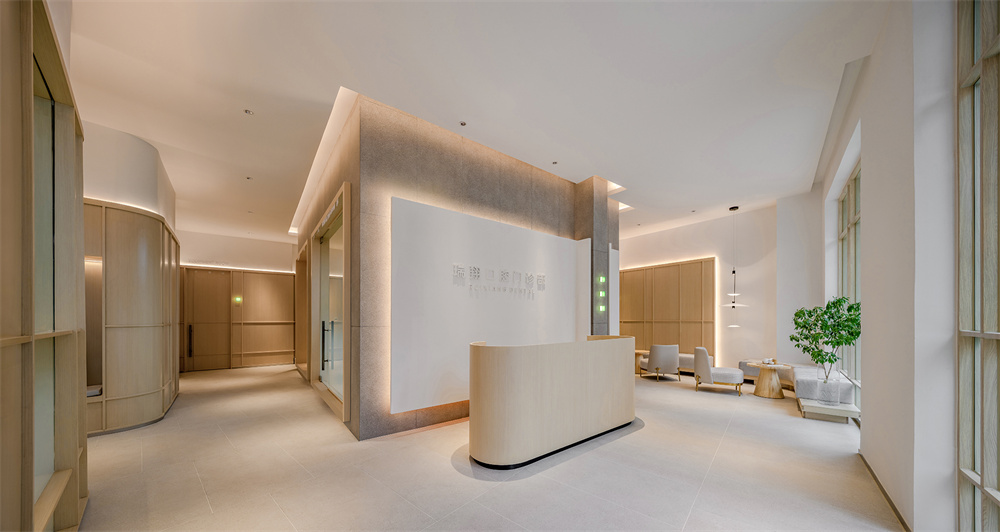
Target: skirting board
[[886, 495]]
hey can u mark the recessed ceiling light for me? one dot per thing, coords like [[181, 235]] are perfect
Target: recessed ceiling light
[[461, 123], [249, 212], [555, 162], [248, 111], [734, 208], [692, 210], [249, 178]]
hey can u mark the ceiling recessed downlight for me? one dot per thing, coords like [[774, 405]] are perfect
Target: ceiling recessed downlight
[[248, 112], [461, 123], [555, 162], [249, 178]]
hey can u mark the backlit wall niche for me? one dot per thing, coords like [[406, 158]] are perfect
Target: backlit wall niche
[[670, 304]]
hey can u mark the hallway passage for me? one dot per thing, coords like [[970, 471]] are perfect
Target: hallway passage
[[256, 449]]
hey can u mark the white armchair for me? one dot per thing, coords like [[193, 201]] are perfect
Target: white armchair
[[704, 373], [662, 359]]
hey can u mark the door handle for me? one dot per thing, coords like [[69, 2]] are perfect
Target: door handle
[[323, 360], [190, 341]]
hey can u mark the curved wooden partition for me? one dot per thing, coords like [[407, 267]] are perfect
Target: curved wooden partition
[[527, 402], [133, 315]]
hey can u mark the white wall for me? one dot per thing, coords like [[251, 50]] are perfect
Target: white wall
[[122, 168], [800, 265], [903, 107], [438, 311], [755, 268], [934, 280], [201, 249]]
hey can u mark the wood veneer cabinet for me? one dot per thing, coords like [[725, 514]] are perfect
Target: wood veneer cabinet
[[670, 304], [237, 318], [43, 449], [133, 315]]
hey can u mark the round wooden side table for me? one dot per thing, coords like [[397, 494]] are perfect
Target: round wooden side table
[[768, 385]]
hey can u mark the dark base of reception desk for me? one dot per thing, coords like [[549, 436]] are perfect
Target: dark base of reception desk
[[546, 455]]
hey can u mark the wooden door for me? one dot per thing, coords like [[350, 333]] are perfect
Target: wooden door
[[207, 315]]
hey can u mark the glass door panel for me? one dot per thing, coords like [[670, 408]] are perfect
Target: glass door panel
[[332, 362]]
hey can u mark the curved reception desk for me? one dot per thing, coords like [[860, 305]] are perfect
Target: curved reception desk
[[527, 402]]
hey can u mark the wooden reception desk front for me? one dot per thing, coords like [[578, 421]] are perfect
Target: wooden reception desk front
[[527, 402]]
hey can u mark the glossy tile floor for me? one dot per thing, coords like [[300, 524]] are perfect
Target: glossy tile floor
[[256, 449]]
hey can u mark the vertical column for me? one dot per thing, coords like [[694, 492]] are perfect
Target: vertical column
[[596, 220]]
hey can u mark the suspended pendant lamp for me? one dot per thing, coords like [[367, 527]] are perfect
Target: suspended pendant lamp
[[733, 304]]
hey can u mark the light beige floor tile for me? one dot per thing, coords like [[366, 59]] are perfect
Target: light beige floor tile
[[540, 503], [256, 513], [110, 458], [231, 479], [348, 499], [426, 479], [147, 501], [474, 516], [257, 446]]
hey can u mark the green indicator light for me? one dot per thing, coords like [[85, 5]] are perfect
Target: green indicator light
[[238, 299], [601, 279], [601, 308], [601, 293]]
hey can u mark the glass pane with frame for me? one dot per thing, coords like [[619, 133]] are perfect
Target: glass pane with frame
[[977, 236]]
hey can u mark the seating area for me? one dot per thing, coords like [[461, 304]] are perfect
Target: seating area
[[802, 379]]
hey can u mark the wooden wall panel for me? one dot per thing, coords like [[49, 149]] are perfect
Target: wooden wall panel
[[666, 293], [93, 231], [133, 358], [690, 336], [132, 269], [236, 345], [690, 292], [269, 297], [708, 301], [634, 329], [211, 288], [239, 318], [678, 305], [267, 359], [210, 339], [95, 417], [206, 362], [631, 296], [262, 338], [237, 301], [133, 411], [666, 333]]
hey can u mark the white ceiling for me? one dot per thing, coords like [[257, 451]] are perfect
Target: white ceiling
[[690, 106]]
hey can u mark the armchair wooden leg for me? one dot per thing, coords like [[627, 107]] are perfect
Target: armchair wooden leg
[[697, 381], [678, 375], [657, 374]]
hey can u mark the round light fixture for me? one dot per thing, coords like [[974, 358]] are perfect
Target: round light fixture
[[461, 123], [248, 111]]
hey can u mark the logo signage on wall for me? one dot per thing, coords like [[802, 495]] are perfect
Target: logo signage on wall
[[485, 282]]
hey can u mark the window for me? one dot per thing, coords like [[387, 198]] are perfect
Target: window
[[978, 255], [850, 229]]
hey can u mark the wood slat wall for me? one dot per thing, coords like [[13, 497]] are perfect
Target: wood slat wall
[[238, 318], [670, 304], [41, 279]]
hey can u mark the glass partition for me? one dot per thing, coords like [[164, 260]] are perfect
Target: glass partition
[[332, 363]]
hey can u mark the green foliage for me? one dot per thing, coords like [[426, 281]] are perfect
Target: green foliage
[[821, 332]]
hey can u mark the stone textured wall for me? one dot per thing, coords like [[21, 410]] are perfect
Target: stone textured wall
[[409, 158], [387, 153]]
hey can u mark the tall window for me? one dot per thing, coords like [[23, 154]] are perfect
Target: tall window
[[978, 259], [850, 229]]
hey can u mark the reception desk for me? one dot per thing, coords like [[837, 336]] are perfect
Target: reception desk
[[527, 402]]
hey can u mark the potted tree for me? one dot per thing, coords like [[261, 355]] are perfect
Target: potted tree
[[822, 332]]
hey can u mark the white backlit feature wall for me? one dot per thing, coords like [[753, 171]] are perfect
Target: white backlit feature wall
[[458, 279]]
